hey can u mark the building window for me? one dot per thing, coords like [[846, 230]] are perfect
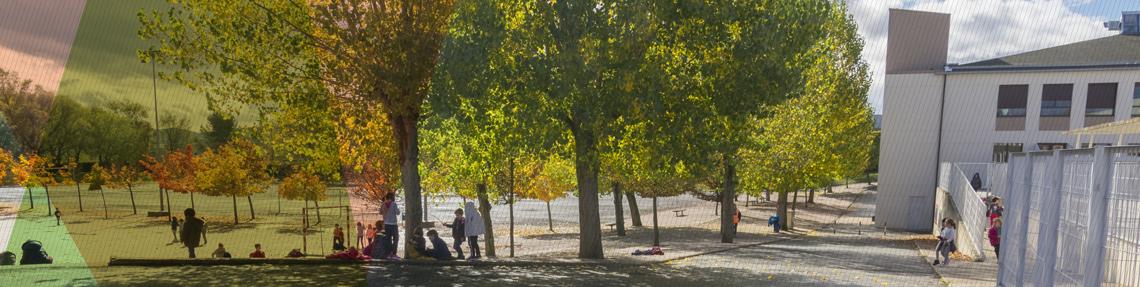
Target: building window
[[1136, 100], [1012, 100], [1002, 151], [1051, 146], [1056, 100], [1101, 100]]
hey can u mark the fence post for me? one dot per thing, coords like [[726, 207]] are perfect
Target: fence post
[[1050, 217], [1006, 194], [1098, 213], [1024, 205]]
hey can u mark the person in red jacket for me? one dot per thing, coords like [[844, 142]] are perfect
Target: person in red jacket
[[995, 236], [257, 253]]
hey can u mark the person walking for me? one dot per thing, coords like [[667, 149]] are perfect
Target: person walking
[[57, 216], [995, 237], [359, 234], [473, 229], [457, 232], [192, 230], [391, 213], [946, 244], [174, 227], [736, 221]]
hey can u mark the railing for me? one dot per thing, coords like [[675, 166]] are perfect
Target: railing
[[969, 204], [1072, 218]]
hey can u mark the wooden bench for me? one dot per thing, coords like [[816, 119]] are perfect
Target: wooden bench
[[611, 225], [157, 214], [679, 213]]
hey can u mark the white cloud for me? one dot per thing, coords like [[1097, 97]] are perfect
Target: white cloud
[[979, 30]]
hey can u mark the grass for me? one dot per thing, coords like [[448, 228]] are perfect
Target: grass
[[125, 235]]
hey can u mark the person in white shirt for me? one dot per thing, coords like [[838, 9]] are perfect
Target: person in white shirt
[[391, 213], [946, 242]]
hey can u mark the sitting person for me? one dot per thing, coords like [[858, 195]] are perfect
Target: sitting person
[[7, 258], [350, 254], [220, 252], [420, 243], [34, 253], [439, 249], [295, 253], [257, 253]]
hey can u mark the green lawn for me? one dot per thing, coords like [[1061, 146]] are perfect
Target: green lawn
[[136, 236], [68, 268]]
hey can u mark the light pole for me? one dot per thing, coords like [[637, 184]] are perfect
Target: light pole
[[157, 129]]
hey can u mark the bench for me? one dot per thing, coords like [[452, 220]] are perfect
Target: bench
[[157, 214], [611, 225], [679, 213]]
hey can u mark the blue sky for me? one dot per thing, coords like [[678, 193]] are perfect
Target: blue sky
[[988, 29]]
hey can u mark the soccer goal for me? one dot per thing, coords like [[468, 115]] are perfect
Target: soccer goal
[[308, 225]]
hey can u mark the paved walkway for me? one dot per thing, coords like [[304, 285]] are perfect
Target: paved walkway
[[68, 268], [963, 271]]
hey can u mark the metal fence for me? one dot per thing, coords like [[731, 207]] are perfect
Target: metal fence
[[1072, 218], [969, 205]]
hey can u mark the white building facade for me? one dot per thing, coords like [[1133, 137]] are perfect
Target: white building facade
[[980, 112]]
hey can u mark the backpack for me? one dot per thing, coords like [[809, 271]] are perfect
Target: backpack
[[34, 254]]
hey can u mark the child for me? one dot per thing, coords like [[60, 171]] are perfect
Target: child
[[338, 238], [295, 253], [257, 253], [359, 234], [420, 243], [774, 222], [174, 227], [220, 252], [474, 229], [995, 237], [371, 231], [57, 215], [457, 231], [438, 247], [391, 212], [946, 243]]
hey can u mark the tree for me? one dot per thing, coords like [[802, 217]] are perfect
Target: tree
[[304, 186], [125, 176], [25, 108], [98, 177], [219, 130], [235, 169], [69, 174], [824, 133], [555, 180], [369, 53], [176, 172], [7, 165], [177, 131], [32, 171]]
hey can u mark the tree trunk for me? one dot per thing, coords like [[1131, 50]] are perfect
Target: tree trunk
[[407, 138], [234, 197], [728, 205], [795, 200], [511, 207], [317, 204], [618, 218], [192, 205], [782, 209], [80, 194], [767, 195], [716, 207], [634, 213], [134, 209], [47, 194], [249, 198], [169, 207], [811, 196], [106, 215], [278, 203], [586, 162], [485, 209], [549, 218], [656, 232], [32, 200], [161, 200]]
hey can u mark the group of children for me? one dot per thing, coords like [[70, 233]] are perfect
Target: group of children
[[382, 243]]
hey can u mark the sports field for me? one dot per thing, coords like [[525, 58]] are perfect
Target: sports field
[[88, 239]]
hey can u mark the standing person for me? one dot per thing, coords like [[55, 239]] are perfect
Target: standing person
[[257, 253], [995, 211], [192, 230], [995, 237], [457, 232], [371, 233], [736, 221], [474, 229], [57, 215], [391, 214], [174, 227], [359, 234], [946, 243], [338, 238]]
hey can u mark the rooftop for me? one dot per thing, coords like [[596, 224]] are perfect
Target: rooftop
[[1113, 51]]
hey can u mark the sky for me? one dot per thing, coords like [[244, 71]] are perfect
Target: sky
[[981, 30], [36, 37]]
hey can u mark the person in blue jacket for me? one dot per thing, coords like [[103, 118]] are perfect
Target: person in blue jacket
[[774, 222]]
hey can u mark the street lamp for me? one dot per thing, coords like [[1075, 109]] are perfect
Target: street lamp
[[157, 129]]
